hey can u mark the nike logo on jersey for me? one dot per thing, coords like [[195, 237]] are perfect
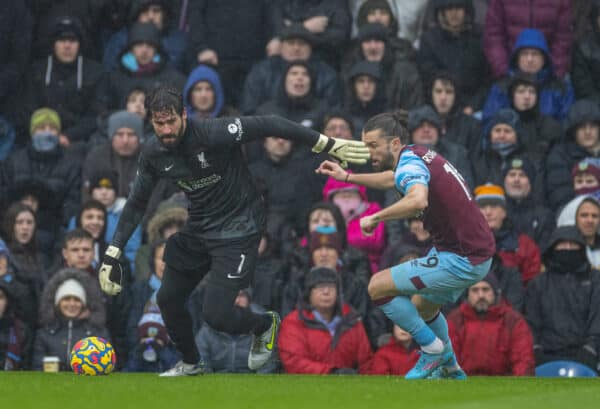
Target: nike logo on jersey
[[168, 168]]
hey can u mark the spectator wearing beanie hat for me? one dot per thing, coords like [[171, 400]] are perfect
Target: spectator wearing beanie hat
[[528, 213], [325, 251], [71, 308], [514, 249], [44, 160], [68, 82], [586, 177], [425, 128], [353, 202], [501, 142], [324, 335], [120, 154], [488, 335]]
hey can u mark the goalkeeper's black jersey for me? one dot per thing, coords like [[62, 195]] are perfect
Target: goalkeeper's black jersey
[[208, 165]]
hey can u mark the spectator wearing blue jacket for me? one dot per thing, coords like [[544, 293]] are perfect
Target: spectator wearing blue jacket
[[203, 94], [531, 55]]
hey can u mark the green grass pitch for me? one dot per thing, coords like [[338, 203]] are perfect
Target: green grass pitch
[[64, 390]]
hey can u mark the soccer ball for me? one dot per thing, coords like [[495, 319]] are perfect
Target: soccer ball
[[93, 356]]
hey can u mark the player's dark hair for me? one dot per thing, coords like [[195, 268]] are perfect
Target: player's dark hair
[[391, 124], [164, 98], [77, 235]]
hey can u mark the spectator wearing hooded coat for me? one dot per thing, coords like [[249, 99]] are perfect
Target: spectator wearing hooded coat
[[264, 79], [582, 139], [71, 308], [323, 335], [424, 127], [379, 11], [67, 82], [15, 336], [397, 70], [159, 13], [561, 305], [585, 73], [454, 45], [531, 56], [500, 143], [539, 131], [528, 214], [353, 202], [142, 63], [408, 16], [445, 97], [488, 335], [514, 249], [365, 94], [505, 21], [296, 99], [203, 94]]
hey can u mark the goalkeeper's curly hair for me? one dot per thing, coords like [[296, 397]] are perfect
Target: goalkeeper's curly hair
[[164, 98], [392, 125]]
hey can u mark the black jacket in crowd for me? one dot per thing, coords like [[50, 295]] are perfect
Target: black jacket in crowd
[[69, 89], [585, 73], [563, 156], [460, 54]]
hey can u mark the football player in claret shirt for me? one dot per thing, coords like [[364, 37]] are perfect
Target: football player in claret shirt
[[463, 244], [226, 219]]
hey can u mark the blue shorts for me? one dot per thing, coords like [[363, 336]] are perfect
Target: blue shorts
[[438, 277]]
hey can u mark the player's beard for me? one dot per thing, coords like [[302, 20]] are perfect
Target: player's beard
[[174, 139], [387, 163]]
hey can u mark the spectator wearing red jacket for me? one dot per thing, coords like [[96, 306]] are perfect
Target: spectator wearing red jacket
[[323, 336], [514, 249], [397, 357], [489, 337]]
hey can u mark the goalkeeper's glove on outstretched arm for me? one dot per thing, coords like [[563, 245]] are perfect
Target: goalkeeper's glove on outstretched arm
[[343, 149], [110, 273]]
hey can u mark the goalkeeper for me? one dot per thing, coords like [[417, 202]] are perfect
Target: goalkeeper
[[226, 219]]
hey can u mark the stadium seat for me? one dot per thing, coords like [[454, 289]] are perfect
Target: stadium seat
[[566, 369]]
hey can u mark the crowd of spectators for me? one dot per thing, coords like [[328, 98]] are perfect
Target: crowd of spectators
[[508, 91]]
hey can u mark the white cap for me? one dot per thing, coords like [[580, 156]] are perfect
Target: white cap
[[70, 287]]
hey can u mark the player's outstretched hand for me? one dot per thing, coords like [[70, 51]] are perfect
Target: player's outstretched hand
[[332, 169], [343, 149], [110, 273], [368, 225]]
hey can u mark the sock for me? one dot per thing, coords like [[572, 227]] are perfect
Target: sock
[[439, 326], [436, 347], [402, 312]]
